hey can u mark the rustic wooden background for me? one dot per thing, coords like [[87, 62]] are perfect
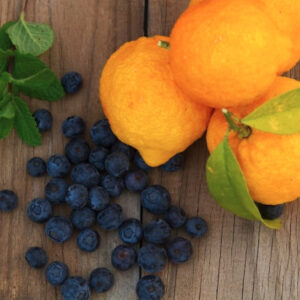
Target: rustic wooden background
[[237, 259]]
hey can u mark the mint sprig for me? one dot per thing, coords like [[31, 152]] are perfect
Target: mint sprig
[[21, 72]]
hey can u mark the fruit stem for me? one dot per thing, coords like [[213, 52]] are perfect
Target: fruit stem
[[164, 44], [228, 117]]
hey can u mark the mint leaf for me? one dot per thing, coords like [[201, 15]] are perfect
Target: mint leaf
[[279, 115], [227, 185], [34, 79], [4, 80], [5, 42], [4, 59], [6, 126], [25, 124], [31, 38], [7, 111]]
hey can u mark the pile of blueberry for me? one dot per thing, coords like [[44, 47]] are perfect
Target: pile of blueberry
[[87, 179]]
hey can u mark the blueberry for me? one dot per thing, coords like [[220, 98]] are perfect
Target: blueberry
[[83, 218], [270, 212], [73, 127], [179, 250], [59, 229], [196, 227], [75, 288], [175, 216], [57, 273], [36, 257], [152, 258], [77, 196], [156, 199], [43, 119], [88, 240], [111, 217], [150, 287], [39, 210], [131, 231], [36, 167], [78, 151], [118, 146], [174, 163], [8, 200], [71, 82], [97, 157], [140, 163], [157, 231], [101, 134], [56, 190], [136, 181], [86, 174], [58, 166], [114, 186], [101, 280], [98, 198], [117, 164], [123, 257]]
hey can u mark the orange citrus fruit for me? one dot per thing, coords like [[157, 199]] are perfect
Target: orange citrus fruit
[[270, 162], [226, 53], [144, 106]]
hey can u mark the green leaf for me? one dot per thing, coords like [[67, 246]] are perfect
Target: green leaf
[[4, 59], [7, 111], [34, 79], [31, 38], [5, 42], [25, 124], [6, 125], [279, 115], [227, 185], [4, 80], [4, 101]]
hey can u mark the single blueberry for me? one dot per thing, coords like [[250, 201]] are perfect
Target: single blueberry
[[179, 250], [270, 212], [36, 167], [98, 198], [75, 288], [102, 135], [157, 232], [123, 257], [111, 217], [43, 119], [71, 82], [156, 199], [85, 174], [8, 200], [196, 227], [57, 273], [101, 280], [97, 157], [114, 186], [36, 257], [131, 231], [174, 163], [58, 166], [77, 196], [136, 181], [39, 210], [150, 287], [59, 229], [83, 218], [77, 151], [152, 258], [118, 146], [88, 240], [56, 190], [175, 216], [73, 127], [117, 164], [140, 163]]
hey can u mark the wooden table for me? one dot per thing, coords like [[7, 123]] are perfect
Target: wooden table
[[236, 260]]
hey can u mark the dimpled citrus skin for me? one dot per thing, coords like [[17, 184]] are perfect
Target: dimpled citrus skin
[[144, 106], [220, 58], [270, 162]]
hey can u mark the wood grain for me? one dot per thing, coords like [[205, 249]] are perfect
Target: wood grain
[[237, 259]]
